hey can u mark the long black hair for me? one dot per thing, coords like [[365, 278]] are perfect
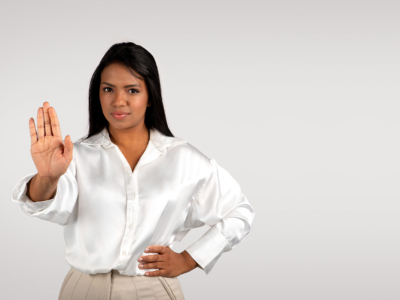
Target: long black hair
[[136, 58]]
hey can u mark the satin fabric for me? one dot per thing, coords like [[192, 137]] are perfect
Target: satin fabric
[[110, 214]]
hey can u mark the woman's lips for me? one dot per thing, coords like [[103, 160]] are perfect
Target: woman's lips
[[120, 116]]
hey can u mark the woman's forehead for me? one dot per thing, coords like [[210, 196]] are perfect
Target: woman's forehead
[[120, 73]]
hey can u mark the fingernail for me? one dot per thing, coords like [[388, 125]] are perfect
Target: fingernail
[[140, 259], [147, 249]]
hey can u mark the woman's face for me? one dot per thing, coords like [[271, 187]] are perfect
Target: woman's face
[[122, 92]]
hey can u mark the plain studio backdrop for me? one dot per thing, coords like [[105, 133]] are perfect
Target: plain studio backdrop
[[298, 100]]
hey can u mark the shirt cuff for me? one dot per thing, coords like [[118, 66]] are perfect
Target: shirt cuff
[[30, 207], [207, 250]]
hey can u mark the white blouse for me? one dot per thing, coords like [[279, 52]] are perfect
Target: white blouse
[[111, 214]]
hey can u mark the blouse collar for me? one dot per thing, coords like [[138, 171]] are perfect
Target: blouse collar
[[160, 141]]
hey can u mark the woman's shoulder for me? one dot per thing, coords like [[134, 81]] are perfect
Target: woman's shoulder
[[86, 146], [179, 147], [189, 153]]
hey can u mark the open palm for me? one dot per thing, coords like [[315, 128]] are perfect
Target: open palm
[[50, 155]]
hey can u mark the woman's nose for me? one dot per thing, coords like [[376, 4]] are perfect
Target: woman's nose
[[120, 99]]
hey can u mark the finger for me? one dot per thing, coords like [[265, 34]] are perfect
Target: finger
[[55, 125], [68, 148], [150, 258], [40, 123], [47, 125], [156, 273], [158, 265], [32, 130], [157, 249]]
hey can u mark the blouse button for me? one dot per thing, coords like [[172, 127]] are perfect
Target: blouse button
[[123, 253]]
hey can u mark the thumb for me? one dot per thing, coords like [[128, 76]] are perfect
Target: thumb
[[68, 148]]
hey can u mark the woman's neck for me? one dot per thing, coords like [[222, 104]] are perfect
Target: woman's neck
[[134, 138]]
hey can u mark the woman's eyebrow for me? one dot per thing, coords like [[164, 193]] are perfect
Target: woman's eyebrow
[[131, 85]]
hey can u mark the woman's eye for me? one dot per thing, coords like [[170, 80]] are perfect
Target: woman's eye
[[134, 90]]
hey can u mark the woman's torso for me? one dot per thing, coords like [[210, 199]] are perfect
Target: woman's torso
[[119, 213]]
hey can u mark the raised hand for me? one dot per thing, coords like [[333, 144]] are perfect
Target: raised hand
[[50, 155]]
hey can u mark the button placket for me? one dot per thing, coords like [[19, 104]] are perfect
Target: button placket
[[129, 190], [136, 199], [130, 205], [129, 217]]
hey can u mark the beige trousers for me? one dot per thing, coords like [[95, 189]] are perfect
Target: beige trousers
[[114, 286]]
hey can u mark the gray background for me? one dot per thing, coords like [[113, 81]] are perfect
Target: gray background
[[298, 100]]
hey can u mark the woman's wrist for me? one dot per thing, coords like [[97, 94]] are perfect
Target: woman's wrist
[[190, 262]]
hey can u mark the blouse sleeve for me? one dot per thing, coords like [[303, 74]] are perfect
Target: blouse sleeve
[[56, 209], [221, 205]]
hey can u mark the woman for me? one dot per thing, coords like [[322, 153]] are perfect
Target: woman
[[130, 189]]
